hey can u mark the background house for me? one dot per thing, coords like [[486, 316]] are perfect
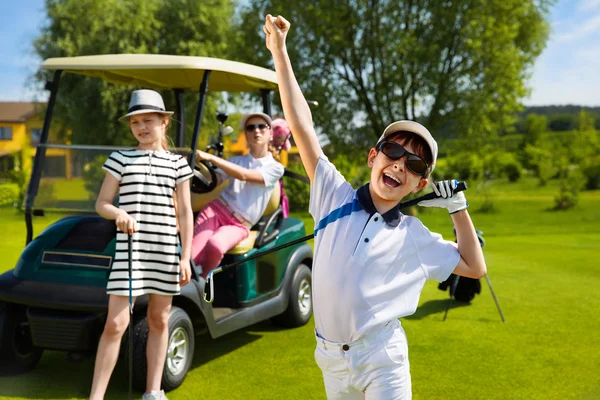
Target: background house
[[21, 126]]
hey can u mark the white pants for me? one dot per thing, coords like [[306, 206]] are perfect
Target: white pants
[[375, 367]]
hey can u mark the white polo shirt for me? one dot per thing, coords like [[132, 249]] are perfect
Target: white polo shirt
[[251, 199], [368, 268]]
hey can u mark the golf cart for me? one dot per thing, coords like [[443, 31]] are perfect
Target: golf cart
[[55, 297]]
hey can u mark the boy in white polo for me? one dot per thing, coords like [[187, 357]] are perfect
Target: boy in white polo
[[371, 262]]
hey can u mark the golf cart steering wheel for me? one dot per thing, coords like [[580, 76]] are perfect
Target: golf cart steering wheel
[[205, 178]]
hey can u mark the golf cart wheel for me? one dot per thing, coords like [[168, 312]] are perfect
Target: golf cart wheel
[[180, 351], [300, 305], [17, 352]]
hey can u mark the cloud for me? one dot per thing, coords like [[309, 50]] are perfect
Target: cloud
[[582, 30], [588, 5], [576, 82]]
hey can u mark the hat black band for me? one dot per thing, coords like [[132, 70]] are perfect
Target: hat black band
[[145, 107]]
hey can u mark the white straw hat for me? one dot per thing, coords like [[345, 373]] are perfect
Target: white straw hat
[[248, 116], [146, 101], [416, 128]]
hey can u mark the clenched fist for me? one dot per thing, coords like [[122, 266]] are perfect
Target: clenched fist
[[276, 30]]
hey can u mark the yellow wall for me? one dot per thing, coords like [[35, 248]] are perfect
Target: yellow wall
[[240, 147], [21, 142], [19, 138]]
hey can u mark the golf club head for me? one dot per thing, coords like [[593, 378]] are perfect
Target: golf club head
[[228, 130]]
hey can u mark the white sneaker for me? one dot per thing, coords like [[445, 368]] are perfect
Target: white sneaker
[[155, 395]]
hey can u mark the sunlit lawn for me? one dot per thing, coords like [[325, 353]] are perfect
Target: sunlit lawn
[[545, 270]]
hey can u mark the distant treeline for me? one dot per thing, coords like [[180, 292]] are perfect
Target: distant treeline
[[560, 118]]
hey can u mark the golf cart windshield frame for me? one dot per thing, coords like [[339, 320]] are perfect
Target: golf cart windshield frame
[[53, 85]]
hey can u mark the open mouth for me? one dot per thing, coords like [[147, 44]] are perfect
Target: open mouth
[[391, 181]]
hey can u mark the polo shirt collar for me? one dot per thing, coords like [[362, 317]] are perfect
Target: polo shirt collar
[[391, 217]]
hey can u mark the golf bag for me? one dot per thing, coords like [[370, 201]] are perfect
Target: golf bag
[[464, 290], [461, 288]]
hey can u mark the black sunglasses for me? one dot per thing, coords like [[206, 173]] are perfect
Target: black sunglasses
[[252, 127], [395, 151]]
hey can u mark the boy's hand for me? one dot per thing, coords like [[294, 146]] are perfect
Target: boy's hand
[[448, 199], [276, 30]]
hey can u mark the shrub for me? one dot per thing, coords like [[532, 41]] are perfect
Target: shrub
[[541, 161], [590, 167], [93, 175], [484, 189], [513, 171], [355, 170], [441, 170], [9, 194], [46, 196], [297, 192], [500, 164], [571, 181], [465, 166]]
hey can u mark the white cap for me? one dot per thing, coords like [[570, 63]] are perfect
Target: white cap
[[146, 101], [248, 116], [416, 128]]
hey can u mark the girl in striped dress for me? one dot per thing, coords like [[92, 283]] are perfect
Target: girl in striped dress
[[149, 180]]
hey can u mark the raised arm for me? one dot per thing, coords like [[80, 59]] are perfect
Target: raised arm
[[295, 108]]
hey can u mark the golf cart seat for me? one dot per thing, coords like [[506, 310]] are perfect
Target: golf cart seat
[[200, 200], [259, 235]]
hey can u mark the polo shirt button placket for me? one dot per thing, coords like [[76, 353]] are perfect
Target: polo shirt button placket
[[345, 347]]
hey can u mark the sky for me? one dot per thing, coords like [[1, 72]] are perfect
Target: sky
[[567, 72]]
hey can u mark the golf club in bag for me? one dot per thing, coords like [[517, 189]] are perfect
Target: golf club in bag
[[464, 289], [209, 294]]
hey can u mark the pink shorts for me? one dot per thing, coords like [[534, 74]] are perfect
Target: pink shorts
[[216, 231]]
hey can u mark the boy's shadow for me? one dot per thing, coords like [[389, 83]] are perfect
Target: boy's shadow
[[55, 377], [435, 307]]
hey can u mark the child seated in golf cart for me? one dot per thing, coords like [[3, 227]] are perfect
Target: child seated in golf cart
[[226, 221]]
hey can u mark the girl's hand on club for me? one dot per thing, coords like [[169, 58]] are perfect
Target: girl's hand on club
[[276, 30], [185, 272], [203, 156], [125, 222]]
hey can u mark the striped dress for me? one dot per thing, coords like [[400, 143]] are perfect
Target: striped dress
[[147, 180]]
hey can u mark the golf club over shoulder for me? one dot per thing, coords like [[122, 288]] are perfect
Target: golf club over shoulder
[[462, 186]]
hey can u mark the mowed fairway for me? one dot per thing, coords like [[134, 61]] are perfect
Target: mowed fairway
[[545, 268]]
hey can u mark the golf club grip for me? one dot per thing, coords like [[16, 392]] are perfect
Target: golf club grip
[[430, 196], [294, 175], [129, 251]]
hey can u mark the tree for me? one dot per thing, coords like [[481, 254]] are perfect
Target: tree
[[89, 107], [562, 122], [535, 126], [458, 66]]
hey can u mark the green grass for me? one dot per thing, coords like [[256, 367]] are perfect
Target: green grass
[[545, 271]]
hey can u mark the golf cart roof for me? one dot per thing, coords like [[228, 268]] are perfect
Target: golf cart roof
[[168, 72]]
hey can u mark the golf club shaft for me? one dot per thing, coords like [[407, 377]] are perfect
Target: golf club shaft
[[494, 296], [130, 331], [209, 278]]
